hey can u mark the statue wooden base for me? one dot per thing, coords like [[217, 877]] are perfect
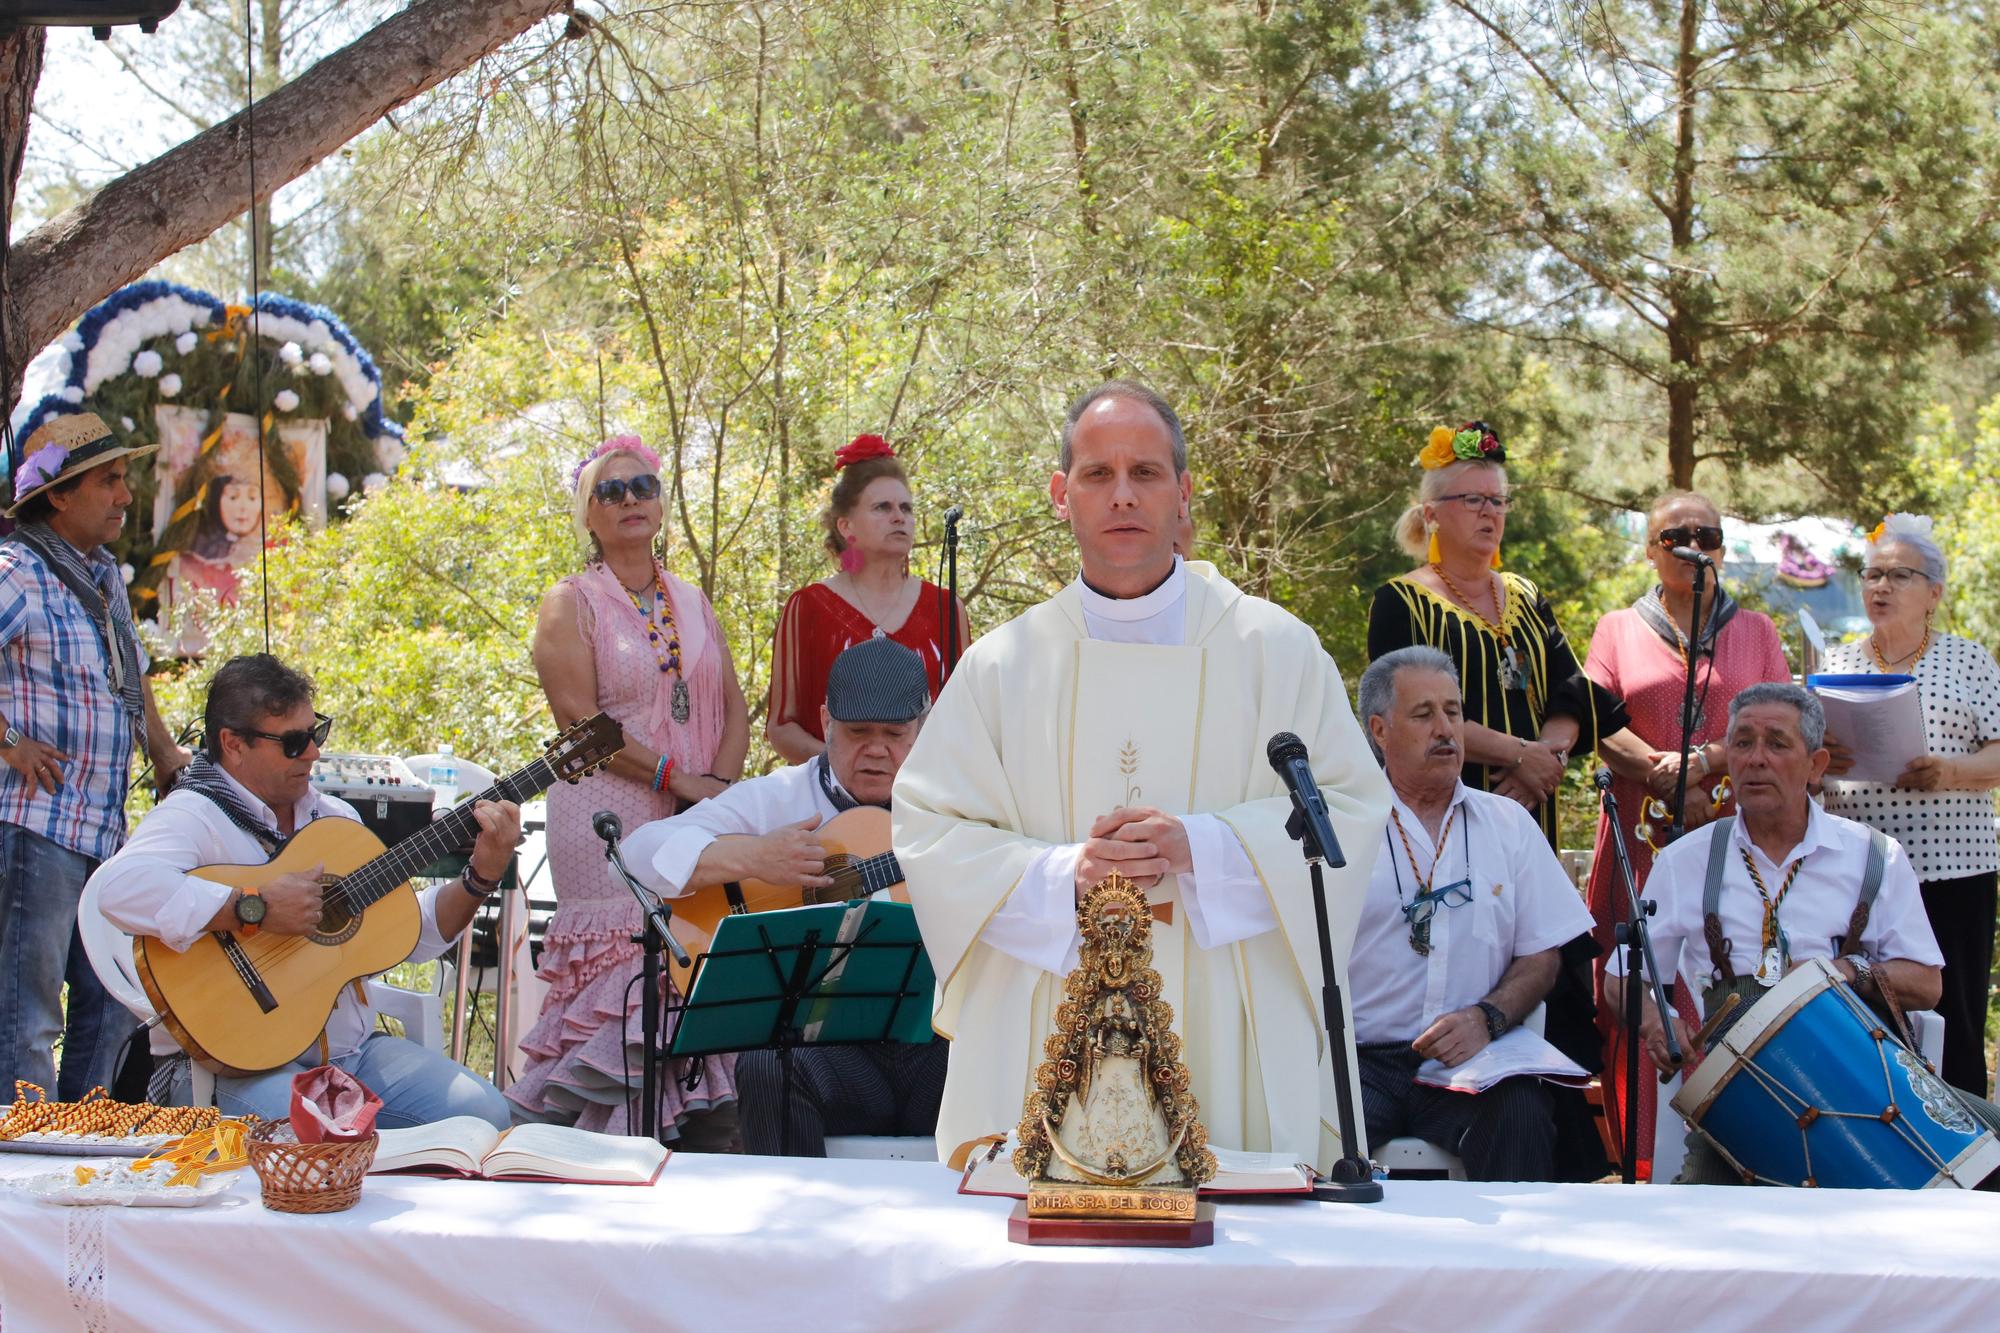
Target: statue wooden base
[[1187, 1234]]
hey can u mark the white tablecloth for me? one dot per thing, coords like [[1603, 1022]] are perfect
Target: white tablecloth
[[728, 1245]]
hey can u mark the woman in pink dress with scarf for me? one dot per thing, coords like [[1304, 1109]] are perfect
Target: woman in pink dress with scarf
[[1640, 654], [626, 637]]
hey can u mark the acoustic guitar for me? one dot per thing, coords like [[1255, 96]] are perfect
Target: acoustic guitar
[[858, 860], [243, 1006]]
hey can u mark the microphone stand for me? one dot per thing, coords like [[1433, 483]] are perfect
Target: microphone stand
[[1679, 825], [951, 644], [1636, 939], [1351, 1179], [656, 937]]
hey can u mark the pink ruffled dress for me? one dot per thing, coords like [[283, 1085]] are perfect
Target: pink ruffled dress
[[584, 1051]]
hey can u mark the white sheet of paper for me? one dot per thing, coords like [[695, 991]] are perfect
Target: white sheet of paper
[[1517, 1052], [1882, 728], [1815, 641]]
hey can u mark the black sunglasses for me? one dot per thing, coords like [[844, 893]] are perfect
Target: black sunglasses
[[612, 490], [294, 743], [1708, 539]]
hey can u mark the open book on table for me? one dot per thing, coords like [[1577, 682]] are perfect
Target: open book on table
[[467, 1146], [991, 1171]]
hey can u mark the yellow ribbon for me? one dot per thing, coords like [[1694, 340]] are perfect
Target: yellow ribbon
[[222, 1147]]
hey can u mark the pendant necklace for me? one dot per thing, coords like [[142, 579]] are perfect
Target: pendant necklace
[[658, 610], [1511, 675], [1777, 954]]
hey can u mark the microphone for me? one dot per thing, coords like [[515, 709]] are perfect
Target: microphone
[[1603, 779], [953, 514], [1692, 556], [1287, 754], [610, 828]]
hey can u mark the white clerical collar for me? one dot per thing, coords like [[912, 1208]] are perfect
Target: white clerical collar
[[1143, 607]]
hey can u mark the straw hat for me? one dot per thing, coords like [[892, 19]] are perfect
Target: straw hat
[[61, 448]]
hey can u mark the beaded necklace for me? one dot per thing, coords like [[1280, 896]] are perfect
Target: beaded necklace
[[658, 611], [1511, 676]]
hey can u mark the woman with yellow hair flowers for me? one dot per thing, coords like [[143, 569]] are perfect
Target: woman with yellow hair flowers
[[1528, 704]]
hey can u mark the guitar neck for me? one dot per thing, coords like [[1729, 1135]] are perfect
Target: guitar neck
[[878, 873], [443, 836]]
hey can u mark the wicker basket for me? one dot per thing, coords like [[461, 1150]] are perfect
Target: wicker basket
[[308, 1177]]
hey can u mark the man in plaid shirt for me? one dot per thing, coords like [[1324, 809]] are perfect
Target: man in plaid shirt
[[73, 700]]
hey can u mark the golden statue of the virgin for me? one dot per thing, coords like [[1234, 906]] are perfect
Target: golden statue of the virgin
[[1110, 1129]]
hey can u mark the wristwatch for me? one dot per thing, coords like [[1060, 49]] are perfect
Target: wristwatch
[[250, 908], [11, 737], [1864, 975], [1496, 1019]]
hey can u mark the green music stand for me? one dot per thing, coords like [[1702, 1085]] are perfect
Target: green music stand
[[838, 974]]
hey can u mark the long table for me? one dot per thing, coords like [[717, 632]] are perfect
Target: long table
[[749, 1243]]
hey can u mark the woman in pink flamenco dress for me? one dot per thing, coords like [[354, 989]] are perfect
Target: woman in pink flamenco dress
[[629, 638], [1640, 653]]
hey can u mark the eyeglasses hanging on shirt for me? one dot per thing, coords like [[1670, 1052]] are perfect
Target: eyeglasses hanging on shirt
[[1419, 910]]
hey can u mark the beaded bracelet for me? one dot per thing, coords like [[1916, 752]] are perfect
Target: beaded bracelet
[[662, 771]]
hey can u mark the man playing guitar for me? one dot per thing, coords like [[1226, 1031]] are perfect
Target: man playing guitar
[[237, 803], [763, 829]]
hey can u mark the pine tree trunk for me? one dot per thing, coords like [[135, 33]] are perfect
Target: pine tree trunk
[[71, 262]]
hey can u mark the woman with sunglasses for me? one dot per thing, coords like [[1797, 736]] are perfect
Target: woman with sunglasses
[[1941, 807], [1640, 653], [627, 638], [870, 524]]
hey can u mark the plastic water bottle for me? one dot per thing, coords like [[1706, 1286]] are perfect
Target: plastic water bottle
[[443, 781]]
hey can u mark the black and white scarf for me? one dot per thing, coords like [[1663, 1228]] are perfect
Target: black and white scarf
[[1719, 612], [204, 777], [87, 576]]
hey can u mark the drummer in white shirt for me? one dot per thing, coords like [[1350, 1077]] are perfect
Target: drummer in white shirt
[[763, 829], [1808, 865], [1458, 940]]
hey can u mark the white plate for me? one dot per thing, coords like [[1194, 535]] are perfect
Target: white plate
[[118, 1185]]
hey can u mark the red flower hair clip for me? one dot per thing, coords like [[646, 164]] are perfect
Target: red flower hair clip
[[861, 447]]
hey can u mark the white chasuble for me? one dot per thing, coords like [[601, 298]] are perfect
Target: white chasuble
[[1040, 731]]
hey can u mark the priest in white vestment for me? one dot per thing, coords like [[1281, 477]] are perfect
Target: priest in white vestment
[[1122, 725]]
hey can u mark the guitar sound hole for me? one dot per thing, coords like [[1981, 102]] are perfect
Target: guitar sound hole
[[846, 882], [337, 921]]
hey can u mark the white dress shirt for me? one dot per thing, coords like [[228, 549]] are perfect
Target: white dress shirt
[[1225, 900], [662, 855], [1817, 908], [1522, 903], [145, 888]]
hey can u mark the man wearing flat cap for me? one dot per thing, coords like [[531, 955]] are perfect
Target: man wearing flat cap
[[73, 701], [764, 829]]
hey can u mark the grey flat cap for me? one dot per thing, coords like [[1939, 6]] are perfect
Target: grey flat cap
[[877, 680]]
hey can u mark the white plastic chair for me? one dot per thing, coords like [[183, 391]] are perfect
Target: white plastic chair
[[884, 1147], [110, 952], [1411, 1158]]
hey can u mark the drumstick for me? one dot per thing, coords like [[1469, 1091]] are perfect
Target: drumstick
[[1722, 1011]]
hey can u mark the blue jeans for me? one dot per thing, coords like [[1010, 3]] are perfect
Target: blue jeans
[[416, 1084], [40, 951]]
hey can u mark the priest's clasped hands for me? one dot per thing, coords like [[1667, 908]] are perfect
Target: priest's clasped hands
[[1137, 841]]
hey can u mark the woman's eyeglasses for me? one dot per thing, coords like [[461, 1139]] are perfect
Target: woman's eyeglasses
[[294, 743], [1899, 576], [1707, 539], [612, 490], [1476, 501]]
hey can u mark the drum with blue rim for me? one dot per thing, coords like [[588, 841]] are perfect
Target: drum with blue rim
[[1809, 1088]]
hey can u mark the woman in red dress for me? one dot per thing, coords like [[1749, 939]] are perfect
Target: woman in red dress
[[1640, 653], [870, 525]]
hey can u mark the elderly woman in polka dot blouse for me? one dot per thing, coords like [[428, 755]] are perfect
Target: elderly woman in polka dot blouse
[[1941, 808]]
